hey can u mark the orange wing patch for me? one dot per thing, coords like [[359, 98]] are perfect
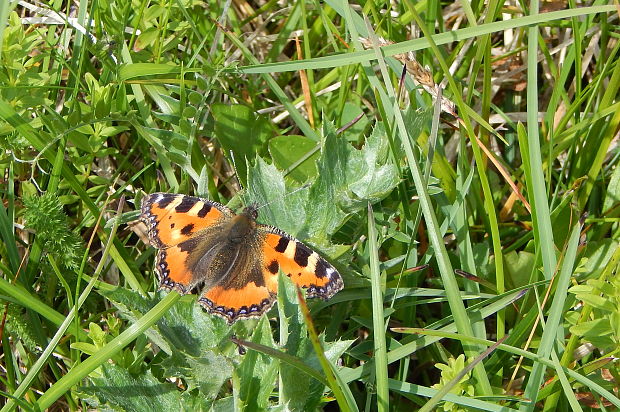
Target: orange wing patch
[[305, 267], [250, 301], [172, 270], [172, 218]]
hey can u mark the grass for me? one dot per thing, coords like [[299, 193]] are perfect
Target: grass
[[304, 108]]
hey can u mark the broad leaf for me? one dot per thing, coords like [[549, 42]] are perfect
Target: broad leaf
[[242, 134]]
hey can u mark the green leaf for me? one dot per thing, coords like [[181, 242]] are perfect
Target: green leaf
[[146, 38], [370, 175], [517, 263], [182, 327], [349, 113], [242, 133], [207, 373], [295, 387], [169, 145], [600, 302], [278, 206], [596, 258], [349, 178], [185, 324], [87, 348], [195, 355], [288, 150], [116, 388], [257, 372], [96, 334], [593, 328]]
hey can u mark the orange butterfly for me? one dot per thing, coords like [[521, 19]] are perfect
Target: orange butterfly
[[233, 260]]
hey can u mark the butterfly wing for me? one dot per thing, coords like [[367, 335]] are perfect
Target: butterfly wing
[[305, 267], [172, 218], [234, 299], [250, 287], [243, 287], [180, 226]]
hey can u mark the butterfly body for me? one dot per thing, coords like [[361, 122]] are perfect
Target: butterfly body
[[231, 259]]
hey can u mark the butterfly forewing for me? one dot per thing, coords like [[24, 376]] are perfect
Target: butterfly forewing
[[306, 268], [171, 218]]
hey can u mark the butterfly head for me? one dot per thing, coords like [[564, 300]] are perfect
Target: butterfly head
[[251, 211]]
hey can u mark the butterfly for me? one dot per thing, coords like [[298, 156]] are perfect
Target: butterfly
[[230, 258]]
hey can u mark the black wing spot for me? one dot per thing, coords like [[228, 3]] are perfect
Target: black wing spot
[[167, 198], [187, 229], [186, 204], [321, 269], [302, 254], [206, 208], [282, 245], [172, 225], [273, 267]]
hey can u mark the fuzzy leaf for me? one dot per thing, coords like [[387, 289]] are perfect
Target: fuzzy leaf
[[266, 187], [190, 336], [347, 179], [117, 389], [371, 177], [207, 373], [182, 327]]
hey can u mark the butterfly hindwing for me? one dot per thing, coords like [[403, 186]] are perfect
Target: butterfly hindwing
[[233, 301], [242, 289]]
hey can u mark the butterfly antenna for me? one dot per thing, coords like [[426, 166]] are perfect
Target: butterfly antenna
[[307, 185]]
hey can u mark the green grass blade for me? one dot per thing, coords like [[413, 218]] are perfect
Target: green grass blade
[[441, 254], [340, 390], [520, 352], [284, 357], [23, 297], [568, 390], [378, 318], [555, 318], [485, 311], [8, 237], [421, 43]]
